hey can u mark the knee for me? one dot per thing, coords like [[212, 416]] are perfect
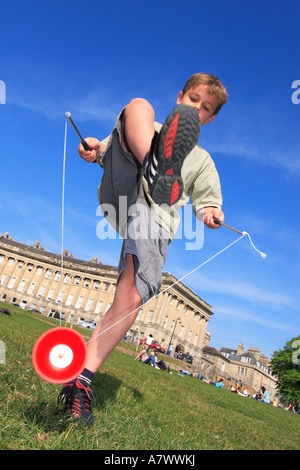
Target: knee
[[127, 296], [134, 298], [137, 105]]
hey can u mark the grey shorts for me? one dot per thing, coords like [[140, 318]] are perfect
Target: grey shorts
[[124, 205]]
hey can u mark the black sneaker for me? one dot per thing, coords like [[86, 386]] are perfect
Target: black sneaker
[[77, 400], [176, 139]]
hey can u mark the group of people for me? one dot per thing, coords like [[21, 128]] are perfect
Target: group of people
[[262, 395], [152, 359]]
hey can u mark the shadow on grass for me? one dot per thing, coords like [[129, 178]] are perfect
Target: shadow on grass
[[50, 416]]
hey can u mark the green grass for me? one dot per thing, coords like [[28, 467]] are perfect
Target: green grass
[[135, 406]]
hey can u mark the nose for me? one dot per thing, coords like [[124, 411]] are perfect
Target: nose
[[198, 106]]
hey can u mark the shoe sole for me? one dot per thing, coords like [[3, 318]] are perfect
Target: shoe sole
[[178, 136]]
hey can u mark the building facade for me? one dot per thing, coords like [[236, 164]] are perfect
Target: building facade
[[41, 281], [249, 369]]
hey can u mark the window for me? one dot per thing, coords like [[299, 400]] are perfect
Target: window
[[98, 308], [181, 331], [3, 277], [12, 281], [76, 281], [30, 268], [149, 315], [245, 359], [59, 298], [41, 291], [105, 288], [50, 295], [21, 285], [20, 264], [186, 311], [139, 315], [10, 262], [165, 322], [67, 279], [96, 285], [2, 258], [86, 283], [57, 276], [79, 302], [88, 305], [171, 300], [48, 273], [69, 299], [31, 288], [39, 271], [178, 304]]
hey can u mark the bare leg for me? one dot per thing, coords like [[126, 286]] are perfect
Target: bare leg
[[127, 299], [138, 128]]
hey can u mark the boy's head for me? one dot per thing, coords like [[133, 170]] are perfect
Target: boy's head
[[205, 93]]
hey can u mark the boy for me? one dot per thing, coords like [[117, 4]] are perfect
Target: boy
[[156, 169]]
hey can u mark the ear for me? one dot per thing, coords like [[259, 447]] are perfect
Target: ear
[[180, 95]]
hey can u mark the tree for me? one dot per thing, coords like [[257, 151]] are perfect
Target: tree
[[286, 364]]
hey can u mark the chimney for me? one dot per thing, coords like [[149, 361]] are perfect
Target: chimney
[[240, 349], [255, 352]]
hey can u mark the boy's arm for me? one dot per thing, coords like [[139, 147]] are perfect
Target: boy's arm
[[205, 190], [94, 154]]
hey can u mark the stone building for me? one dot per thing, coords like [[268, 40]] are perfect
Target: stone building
[[33, 279], [248, 368]]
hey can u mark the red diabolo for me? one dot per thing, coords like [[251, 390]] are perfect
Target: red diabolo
[[59, 355]]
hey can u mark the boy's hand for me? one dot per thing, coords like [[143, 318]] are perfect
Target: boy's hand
[[90, 155], [208, 214]]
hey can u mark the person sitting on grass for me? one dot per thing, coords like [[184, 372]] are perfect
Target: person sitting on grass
[[160, 364], [143, 357]]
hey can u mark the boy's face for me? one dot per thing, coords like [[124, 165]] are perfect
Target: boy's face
[[204, 103]]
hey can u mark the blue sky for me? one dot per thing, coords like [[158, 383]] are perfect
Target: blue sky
[[91, 58]]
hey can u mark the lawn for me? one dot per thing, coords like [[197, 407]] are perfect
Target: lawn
[[136, 407]]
